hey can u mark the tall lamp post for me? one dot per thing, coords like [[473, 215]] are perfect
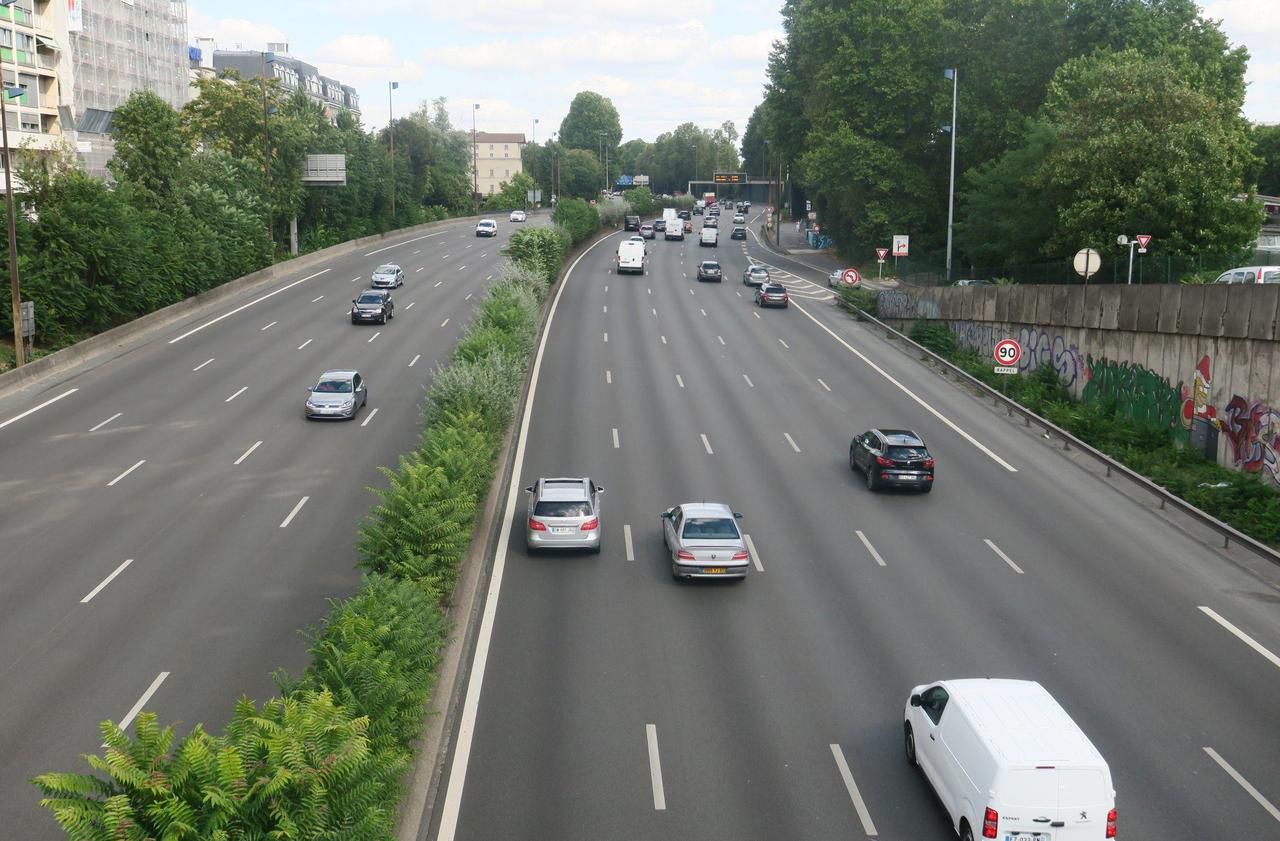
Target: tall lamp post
[[391, 132], [694, 147], [475, 163], [19, 352], [266, 150], [604, 157], [534, 136], [555, 168], [954, 75]]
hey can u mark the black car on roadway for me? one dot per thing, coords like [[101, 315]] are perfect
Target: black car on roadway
[[738, 233], [684, 214], [659, 225], [372, 305], [631, 223], [896, 457]]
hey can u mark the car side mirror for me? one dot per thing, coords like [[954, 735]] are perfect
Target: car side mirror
[[353, 300], [529, 489], [915, 700], [599, 489], [737, 515], [665, 515], [310, 389]]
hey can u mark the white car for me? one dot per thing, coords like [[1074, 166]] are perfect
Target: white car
[[519, 216], [486, 228], [387, 276]]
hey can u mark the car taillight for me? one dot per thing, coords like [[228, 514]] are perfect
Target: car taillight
[[591, 525], [1111, 824], [989, 821], [929, 462], [684, 555], [740, 556], [537, 525], [884, 461]]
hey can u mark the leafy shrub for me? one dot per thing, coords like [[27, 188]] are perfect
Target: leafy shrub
[[936, 336], [641, 201], [611, 212], [539, 249], [488, 386], [1198, 278], [579, 219], [852, 300]]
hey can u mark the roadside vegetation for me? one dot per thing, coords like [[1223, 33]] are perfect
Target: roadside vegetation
[[329, 756]]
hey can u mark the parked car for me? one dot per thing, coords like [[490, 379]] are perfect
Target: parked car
[[704, 541], [631, 223], [709, 270], [564, 513], [1250, 274], [647, 231], [738, 233], [1006, 761], [373, 305], [387, 276], [837, 278], [338, 394], [756, 275], [486, 228], [896, 457], [772, 294], [519, 216]]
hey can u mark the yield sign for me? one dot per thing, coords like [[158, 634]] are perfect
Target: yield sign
[[881, 253], [1143, 239]]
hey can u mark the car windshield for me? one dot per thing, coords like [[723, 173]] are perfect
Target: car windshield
[[373, 298], [334, 387], [562, 508], [908, 452], [710, 528]]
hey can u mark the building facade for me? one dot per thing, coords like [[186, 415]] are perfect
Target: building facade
[[33, 58], [293, 75], [495, 159]]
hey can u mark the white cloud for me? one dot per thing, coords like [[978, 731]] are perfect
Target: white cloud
[[356, 59], [529, 15], [1256, 17], [231, 33]]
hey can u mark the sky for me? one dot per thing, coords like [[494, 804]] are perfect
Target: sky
[[523, 60]]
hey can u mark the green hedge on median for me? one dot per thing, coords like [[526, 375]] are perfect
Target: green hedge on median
[[327, 759]]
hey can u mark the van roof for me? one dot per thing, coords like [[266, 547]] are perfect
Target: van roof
[[1022, 723]]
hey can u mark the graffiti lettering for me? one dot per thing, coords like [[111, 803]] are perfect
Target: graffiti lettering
[[1040, 349], [895, 304], [1254, 433], [1138, 393]]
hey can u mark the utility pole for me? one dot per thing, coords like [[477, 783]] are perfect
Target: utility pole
[[954, 75], [391, 132], [475, 164], [534, 138], [266, 154], [19, 352]]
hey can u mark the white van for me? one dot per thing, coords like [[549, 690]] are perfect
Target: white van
[[1008, 762], [710, 236], [630, 256]]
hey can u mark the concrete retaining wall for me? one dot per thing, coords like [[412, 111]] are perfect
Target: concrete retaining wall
[[1200, 361]]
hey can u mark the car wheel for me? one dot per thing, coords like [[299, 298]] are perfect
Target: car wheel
[[909, 740], [383, 320], [871, 478], [926, 489], [966, 832], [595, 550]]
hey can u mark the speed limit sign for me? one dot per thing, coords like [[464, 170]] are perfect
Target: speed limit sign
[[1008, 352]]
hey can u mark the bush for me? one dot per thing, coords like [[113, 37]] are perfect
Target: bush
[[579, 219], [937, 337], [852, 300], [641, 202], [541, 250], [611, 212]]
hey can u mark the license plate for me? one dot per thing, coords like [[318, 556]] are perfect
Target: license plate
[[714, 570], [1025, 836], [562, 530]]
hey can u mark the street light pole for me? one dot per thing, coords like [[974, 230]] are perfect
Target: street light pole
[[391, 132], [19, 352], [266, 155], [694, 147], [534, 138], [475, 163], [954, 75]]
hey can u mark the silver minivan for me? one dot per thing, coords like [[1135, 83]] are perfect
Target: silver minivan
[[564, 513]]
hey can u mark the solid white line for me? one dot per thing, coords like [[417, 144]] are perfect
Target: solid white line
[[845, 774], [304, 344], [410, 306], [96, 590], [955, 428], [444, 323], [785, 345], [824, 385], [626, 538], [107, 421], [870, 548], [791, 441], [399, 244], [748, 379], [126, 473], [616, 445], [438, 282], [608, 376], [606, 337], [1245, 638], [35, 409], [1244, 784], [679, 380], [1006, 558], [374, 336], [214, 321], [413, 361], [294, 512], [248, 453], [755, 557], [664, 339], [269, 326], [366, 420], [146, 696], [471, 705], [317, 298], [721, 338], [202, 364], [706, 443], [655, 768]]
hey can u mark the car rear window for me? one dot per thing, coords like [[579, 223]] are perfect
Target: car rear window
[[562, 508], [908, 452], [710, 528]]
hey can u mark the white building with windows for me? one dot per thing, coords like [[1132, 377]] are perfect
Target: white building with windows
[[496, 159]]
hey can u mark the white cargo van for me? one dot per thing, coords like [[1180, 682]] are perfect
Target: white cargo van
[[630, 256], [711, 237], [1007, 762]]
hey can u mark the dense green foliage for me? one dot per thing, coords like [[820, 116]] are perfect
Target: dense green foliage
[[511, 194], [591, 124], [1079, 119], [1266, 171], [579, 219]]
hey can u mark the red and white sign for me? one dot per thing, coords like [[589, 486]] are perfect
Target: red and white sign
[[901, 245], [1008, 352], [881, 253], [850, 277], [1143, 239]]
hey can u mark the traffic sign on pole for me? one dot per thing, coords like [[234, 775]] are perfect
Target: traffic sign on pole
[[1143, 239], [881, 253], [851, 277], [1008, 352], [1087, 262], [900, 245]]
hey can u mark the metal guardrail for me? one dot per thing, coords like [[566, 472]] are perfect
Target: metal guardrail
[[1167, 499]]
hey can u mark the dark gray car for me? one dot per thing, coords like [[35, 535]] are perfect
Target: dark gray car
[[372, 305], [337, 395], [896, 457]]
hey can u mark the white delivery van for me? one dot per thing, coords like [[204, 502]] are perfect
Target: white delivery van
[[674, 229], [711, 237], [630, 256], [1007, 762]]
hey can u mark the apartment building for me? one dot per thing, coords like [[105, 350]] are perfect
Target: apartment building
[[496, 158], [32, 55], [293, 74]]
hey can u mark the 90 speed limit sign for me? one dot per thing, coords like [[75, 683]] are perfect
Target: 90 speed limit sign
[[1008, 353]]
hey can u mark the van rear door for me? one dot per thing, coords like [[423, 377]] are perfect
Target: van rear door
[[1084, 799], [1048, 803]]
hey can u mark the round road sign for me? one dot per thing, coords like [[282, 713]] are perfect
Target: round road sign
[[1008, 352], [1087, 262], [851, 277]]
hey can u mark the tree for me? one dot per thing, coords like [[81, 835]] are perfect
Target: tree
[[641, 201], [581, 173], [150, 150], [589, 114], [626, 159], [753, 145], [511, 194], [1266, 171]]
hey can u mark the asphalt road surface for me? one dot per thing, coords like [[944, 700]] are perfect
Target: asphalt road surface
[[619, 705], [171, 521]]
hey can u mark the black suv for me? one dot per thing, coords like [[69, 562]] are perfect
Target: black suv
[[896, 457], [709, 270], [684, 214], [372, 305], [631, 223]]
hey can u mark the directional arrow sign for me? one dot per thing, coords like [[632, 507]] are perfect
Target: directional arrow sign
[[1143, 239]]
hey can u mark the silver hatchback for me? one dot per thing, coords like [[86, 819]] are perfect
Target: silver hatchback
[[704, 541], [564, 513], [338, 394]]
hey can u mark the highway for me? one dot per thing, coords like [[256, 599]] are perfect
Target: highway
[[611, 702], [170, 521]]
